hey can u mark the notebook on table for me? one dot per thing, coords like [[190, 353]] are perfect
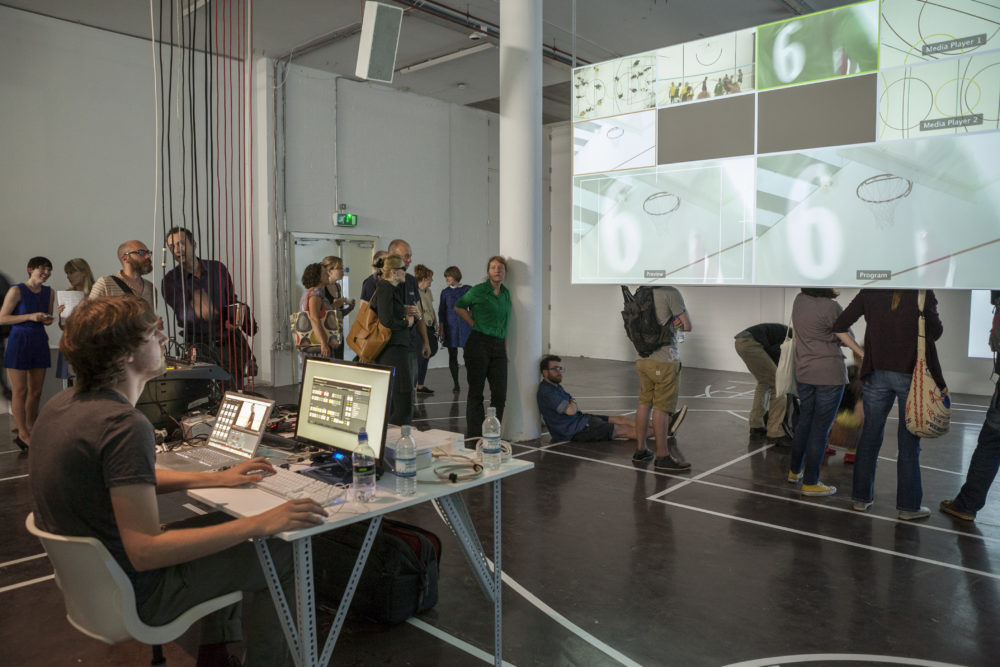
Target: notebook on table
[[235, 436]]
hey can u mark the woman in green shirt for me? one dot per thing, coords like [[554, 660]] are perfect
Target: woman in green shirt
[[486, 308]]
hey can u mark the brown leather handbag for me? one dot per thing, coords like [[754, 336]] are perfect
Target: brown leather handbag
[[367, 337]]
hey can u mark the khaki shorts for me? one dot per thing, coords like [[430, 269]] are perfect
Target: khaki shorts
[[658, 384]]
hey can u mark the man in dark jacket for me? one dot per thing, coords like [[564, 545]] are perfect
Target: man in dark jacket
[[986, 459], [759, 347]]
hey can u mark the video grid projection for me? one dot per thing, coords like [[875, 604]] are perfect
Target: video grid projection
[[853, 147]]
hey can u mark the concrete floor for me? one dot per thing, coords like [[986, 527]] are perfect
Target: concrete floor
[[606, 563]]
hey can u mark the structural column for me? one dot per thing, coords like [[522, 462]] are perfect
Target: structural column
[[521, 205]]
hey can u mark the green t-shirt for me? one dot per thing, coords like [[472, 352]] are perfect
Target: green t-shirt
[[491, 312]]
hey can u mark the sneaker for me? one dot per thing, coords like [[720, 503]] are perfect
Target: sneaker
[[424, 390], [675, 420], [861, 505], [795, 477], [830, 451], [758, 430], [818, 489], [671, 464], [948, 507], [642, 456], [848, 458], [912, 515]]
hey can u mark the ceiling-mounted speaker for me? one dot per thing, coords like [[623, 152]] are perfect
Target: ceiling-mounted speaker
[[379, 39]]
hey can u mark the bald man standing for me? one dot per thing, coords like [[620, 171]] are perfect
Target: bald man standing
[[137, 261]]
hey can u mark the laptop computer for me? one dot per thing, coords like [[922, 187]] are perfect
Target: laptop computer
[[235, 436]]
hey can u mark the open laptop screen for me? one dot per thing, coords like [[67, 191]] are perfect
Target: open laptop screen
[[338, 399], [240, 423]]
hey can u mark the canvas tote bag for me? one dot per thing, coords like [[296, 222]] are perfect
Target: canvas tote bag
[[784, 377], [928, 407]]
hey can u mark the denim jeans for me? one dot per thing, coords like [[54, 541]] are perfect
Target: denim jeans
[[985, 461], [818, 405], [881, 390]]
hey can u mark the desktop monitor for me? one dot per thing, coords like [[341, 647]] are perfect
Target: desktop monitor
[[338, 399]]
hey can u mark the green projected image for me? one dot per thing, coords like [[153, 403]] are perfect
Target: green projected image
[[954, 96], [839, 42], [707, 68], [915, 31], [903, 213], [686, 223]]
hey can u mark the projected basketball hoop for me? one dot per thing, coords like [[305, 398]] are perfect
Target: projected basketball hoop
[[882, 194], [661, 203]]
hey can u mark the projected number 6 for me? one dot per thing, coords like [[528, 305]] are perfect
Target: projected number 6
[[789, 57], [815, 241]]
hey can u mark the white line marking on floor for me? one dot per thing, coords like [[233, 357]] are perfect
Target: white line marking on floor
[[841, 657], [11, 451], [30, 582], [837, 540], [7, 479], [556, 616], [836, 508], [746, 419], [566, 623], [22, 560], [708, 391], [923, 467], [454, 641], [708, 472], [811, 503], [194, 508]]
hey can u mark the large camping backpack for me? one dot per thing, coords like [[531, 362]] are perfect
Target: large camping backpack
[[641, 325]]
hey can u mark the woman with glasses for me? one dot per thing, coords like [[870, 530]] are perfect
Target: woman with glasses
[[27, 309], [388, 304]]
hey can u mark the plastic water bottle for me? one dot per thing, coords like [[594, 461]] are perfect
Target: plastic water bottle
[[406, 463], [363, 461], [491, 440], [679, 335]]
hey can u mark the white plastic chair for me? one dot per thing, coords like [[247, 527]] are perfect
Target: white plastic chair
[[100, 601]]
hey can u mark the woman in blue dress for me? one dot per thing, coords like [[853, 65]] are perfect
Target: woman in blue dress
[[454, 330], [27, 307]]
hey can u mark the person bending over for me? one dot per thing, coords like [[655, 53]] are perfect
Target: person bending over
[[95, 477], [563, 416]]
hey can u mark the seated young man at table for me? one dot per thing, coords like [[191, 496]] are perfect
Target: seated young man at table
[[92, 474], [563, 416]]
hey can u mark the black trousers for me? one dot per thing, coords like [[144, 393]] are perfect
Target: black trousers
[[398, 356], [485, 360]]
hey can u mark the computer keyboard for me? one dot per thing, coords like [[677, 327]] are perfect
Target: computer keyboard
[[208, 456], [289, 484]]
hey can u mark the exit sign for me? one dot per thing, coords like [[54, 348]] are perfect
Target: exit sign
[[347, 220]]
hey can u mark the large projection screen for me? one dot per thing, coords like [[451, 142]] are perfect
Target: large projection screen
[[853, 147]]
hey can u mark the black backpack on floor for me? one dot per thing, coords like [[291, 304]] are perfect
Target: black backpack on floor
[[400, 578]]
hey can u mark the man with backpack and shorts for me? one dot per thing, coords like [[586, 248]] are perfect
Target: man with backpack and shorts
[[659, 369], [986, 459]]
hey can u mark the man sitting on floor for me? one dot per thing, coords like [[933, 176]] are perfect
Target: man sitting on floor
[[563, 416], [93, 474]]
